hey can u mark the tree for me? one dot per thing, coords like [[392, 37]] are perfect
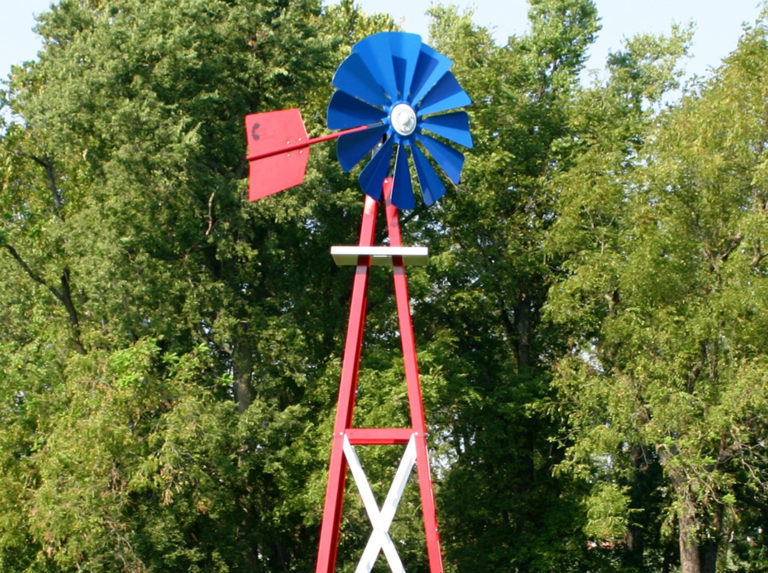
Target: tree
[[139, 293], [663, 299], [502, 507]]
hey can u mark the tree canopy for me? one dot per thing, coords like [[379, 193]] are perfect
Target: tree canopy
[[591, 325]]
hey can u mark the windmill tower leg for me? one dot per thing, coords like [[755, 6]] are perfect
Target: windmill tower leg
[[345, 437], [337, 471], [415, 401]]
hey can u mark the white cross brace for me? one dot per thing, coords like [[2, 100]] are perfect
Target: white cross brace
[[381, 520]]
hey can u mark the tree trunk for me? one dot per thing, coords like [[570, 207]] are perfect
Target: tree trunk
[[709, 549], [635, 548], [242, 369], [523, 326], [690, 561]]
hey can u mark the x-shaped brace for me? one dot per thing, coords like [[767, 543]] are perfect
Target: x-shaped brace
[[381, 520]]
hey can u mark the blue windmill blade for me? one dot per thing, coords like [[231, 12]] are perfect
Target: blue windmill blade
[[345, 111], [405, 50], [402, 189], [432, 188], [430, 67], [450, 160], [446, 94], [372, 176], [452, 126], [352, 148], [354, 78], [375, 51]]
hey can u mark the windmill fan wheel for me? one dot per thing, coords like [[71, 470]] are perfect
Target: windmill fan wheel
[[405, 95]]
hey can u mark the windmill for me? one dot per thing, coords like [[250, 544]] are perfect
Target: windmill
[[397, 99]]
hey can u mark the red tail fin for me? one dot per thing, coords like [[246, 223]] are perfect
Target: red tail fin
[[278, 150]]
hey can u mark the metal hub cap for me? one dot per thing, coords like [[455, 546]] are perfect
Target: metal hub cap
[[403, 119]]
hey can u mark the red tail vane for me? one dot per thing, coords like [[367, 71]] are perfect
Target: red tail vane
[[278, 150]]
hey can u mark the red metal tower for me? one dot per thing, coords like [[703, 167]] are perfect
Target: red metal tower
[[346, 436]]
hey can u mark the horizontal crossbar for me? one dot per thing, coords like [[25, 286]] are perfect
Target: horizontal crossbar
[[378, 436], [381, 255]]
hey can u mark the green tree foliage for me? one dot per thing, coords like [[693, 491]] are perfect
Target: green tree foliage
[[664, 385], [590, 326], [491, 278], [139, 293]]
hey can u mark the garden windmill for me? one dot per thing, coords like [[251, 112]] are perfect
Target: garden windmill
[[394, 95]]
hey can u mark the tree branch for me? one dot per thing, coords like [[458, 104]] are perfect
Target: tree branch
[[50, 172], [63, 295], [758, 255], [34, 276]]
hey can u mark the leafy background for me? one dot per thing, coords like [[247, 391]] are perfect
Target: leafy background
[[591, 326]]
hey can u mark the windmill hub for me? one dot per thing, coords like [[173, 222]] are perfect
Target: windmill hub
[[403, 119]]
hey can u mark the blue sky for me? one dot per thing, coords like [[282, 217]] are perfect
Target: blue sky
[[718, 24]]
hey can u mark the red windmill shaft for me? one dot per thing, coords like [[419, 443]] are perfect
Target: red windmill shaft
[[401, 96], [302, 145]]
